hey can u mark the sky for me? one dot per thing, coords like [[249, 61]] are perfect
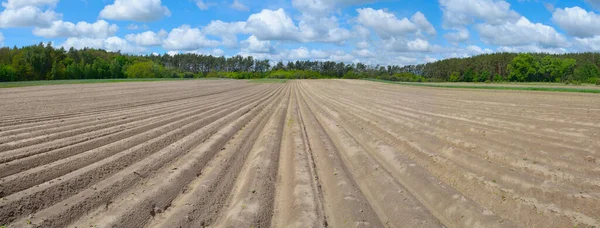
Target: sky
[[385, 32]]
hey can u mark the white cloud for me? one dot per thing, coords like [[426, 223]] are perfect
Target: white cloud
[[113, 44], [385, 24], [148, 38], [340, 56], [227, 31], [117, 44], [213, 52], [27, 16], [272, 25], [15, 4], [465, 12], [172, 53], [588, 44], [458, 36], [363, 45], [361, 32], [402, 45], [299, 53], [237, 5], [99, 29], [320, 8], [135, 10], [476, 50], [531, 48], [202, 5], [220, 28], [187, 38], [577, 21], [418, 45], [423, 24], [521, 33], [1, 39], [136, 27], [217, 52], [365, 53], [323, 29], [253, 45], [319, 54]]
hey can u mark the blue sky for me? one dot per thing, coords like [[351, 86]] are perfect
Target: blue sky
[[376, 32]]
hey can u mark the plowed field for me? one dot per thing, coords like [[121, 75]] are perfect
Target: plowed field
[[321, 153]]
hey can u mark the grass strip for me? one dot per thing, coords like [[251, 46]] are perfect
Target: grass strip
[[524, 88]]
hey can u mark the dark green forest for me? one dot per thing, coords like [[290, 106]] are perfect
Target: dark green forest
[[44, 62]]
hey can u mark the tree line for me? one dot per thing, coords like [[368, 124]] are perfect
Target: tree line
[[44, 62]]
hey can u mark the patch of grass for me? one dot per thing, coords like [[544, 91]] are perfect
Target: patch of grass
[[82, 81], [268, 80], [475, 86]]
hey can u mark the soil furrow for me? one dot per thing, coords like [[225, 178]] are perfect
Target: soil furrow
[[302, 153]]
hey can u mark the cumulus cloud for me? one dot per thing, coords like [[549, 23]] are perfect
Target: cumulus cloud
[[148, 38], [385, 24], [458, 36], [396, 35], [227, 31], [588, 44], [253, 45], [323, 29], [26, 16], [99, 29], [113, 44], [476, 50], [403, 45], [220, 28], [135, 10], [364, 53], [464, 12], [423, 24], [187, 38], [323, 7], [136, 27], [532, 48], [299, 53], [521, 33], [272, 25], [1, 39], [213, 52], [577, 21]]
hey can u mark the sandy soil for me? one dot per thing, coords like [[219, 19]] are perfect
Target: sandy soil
[[321, 153]]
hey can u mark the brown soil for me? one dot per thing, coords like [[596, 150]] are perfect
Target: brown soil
[[319, 153]]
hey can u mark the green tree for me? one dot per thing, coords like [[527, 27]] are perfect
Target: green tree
[[454, 77], [523, 67], [468, 76], [587, 73], [483, 76], [7, 73], [497, 78], [147, 69]]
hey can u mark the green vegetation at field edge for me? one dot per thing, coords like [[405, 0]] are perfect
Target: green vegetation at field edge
[[268, 80], [80, 81], [499, 87]]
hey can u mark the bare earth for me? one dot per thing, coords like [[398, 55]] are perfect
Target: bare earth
[[323, 153]]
